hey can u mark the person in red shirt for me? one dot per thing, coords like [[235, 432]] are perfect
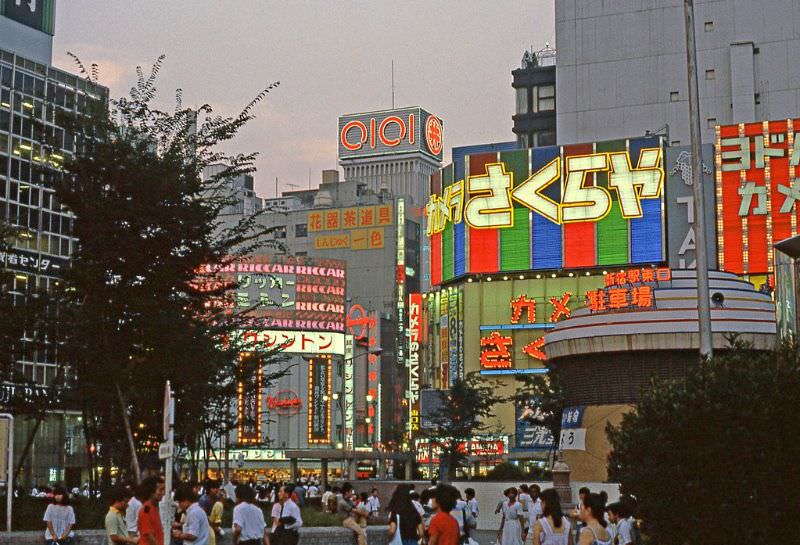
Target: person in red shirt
[[444, 528], [150, 530]]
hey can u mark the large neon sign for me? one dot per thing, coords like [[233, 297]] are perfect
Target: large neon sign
[[406, 130], [486, 200]]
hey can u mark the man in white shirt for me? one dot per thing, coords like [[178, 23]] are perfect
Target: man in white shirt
[[472, 502], [195, 530], [374, 503], [132, 516], [325, 497], [289, 510], [249, 527]]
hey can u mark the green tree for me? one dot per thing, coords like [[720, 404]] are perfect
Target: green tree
[[545, 395], [148, 303], [710, 457], [464, 412]]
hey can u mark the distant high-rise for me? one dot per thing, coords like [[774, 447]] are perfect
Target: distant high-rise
[[534, 84]]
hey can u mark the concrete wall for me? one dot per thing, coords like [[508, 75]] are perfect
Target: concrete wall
[[620, 62], [308, 536]]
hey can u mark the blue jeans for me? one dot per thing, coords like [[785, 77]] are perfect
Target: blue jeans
[[411, 541]]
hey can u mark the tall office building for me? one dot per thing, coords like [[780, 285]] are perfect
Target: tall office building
[[622, 66], [34, 94], [534, 84]]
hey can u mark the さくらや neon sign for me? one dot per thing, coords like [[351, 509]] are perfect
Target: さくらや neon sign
[[486, 200]]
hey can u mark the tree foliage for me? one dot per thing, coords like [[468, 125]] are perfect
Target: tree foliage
[[464, 412], [711, 457], [147, 303]]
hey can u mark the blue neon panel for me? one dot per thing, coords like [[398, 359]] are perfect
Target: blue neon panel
[[546, 238], [647, 232]]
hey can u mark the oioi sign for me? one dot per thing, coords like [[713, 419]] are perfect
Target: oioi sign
[[387, 132]]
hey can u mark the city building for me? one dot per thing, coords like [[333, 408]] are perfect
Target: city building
[[534, 86], [622, 67], [241, 191], [33, 92]]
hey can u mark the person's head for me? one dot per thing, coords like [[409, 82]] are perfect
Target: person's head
[[400, 501], [426, 496], [60, 495], [510, 493], [444, 498], [118, 498], [583, 492], [185, 496], [285, 492], [212, 487], [347, 490], [434, 482], [469, 493], [151, 489], [535, 491], [523, 489], [363, 496], [244, 494], [616, 512], [414, 496], [375, 492], [604, 495], [592, 509], [551, 506]]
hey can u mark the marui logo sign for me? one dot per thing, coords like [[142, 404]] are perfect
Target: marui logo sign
[[285, 403], [389, 132]]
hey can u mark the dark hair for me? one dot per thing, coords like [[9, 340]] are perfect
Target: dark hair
[[434, 482], [185, 492], [426, 495], [446, 496], [244, 493], [537, 488], [118, 493], [363, 496], [552, 506], [59, 490], [288, 488], [584, 490], [596, 506], [414, 495], [147, 488], [346, 487], [509, 490], [211, 483], [469, 492], [618, 508], [374, 490], [604, 495], [523, 488], [400, 503]]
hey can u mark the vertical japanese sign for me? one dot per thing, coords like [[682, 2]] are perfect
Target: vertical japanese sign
[[248, 389], [364, 328], [414, 340], [401, 283], [757, 166], [349, 393], [319, 396], [455, 368]]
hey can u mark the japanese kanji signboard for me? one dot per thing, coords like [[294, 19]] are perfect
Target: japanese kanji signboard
[[757, 165], [631, 289], [357, 228]]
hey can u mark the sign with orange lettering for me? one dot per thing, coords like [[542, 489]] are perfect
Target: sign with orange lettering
[[387, 132]]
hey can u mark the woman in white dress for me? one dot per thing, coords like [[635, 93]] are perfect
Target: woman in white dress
[[511, 524], [552, 528]]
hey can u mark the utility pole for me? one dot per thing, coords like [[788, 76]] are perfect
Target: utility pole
[[703, 306]]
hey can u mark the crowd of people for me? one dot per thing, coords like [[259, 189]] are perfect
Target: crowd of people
[[436, 515]]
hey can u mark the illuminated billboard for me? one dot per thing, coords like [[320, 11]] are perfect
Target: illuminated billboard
[[390, 132], [414, 347], [319, 400], [294, 342], [356, 228], [577, 206], [287, 292], [756, 172], [248, 390], [38, 14]]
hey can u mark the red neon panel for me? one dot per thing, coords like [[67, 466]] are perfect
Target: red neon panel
[[779, 167], [483, 243], [731, 224], [580, 249], [436, 259]]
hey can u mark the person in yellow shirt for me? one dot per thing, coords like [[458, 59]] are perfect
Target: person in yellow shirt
[[215, 517]]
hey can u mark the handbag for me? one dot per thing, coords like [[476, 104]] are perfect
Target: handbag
[[397, 539]]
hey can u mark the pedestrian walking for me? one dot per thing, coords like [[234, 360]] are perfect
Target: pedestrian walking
[[374, 503], [472, 502], [195, 529], [535, 510], [592, 515], [59, 519], [249, 527], [215, 517], [150, 530], [443, 529], [288, 522], [347, 513], [464, 518], [552, 528], [132, 515], [404, 518], [210, 492], [511, 530], [115, 524], [525, 501]]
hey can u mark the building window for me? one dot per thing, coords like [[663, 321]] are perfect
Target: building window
[[709, 26], [674, 96], [545, 98], [522, 100], [301, 230], [711, 122], [280, 232], [711, 74], [546, 138]]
